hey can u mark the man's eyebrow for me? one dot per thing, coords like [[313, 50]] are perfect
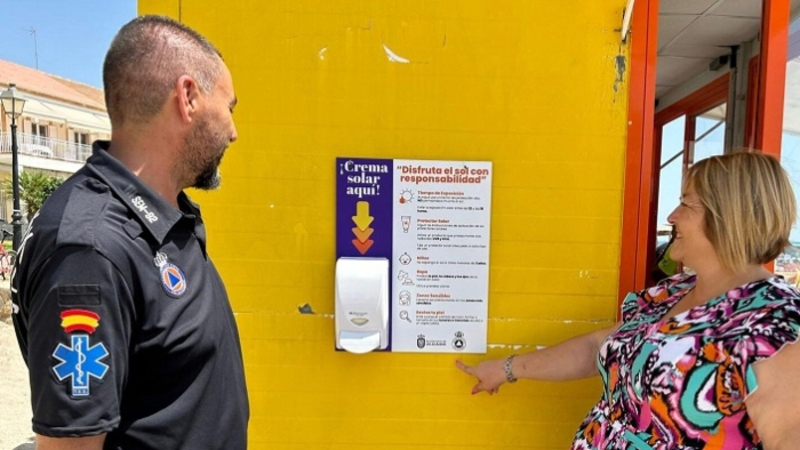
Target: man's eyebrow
[[234, 102]]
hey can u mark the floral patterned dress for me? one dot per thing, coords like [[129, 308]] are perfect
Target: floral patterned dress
[[681, 383]]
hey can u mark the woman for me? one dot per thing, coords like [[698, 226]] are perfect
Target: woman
[[695, 361]]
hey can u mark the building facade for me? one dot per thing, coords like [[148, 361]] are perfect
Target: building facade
[[60, 120]]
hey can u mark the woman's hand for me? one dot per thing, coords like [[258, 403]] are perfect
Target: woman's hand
[[490, 374], [570, 360]]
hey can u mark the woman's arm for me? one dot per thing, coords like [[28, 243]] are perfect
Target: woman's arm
[[572, 359]]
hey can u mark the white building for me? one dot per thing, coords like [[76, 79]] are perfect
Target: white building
[[60, 120]]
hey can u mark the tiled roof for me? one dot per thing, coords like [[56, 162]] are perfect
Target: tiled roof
[[29, 80]]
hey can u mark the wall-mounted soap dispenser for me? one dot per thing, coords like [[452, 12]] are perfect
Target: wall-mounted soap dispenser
[[362, 304]]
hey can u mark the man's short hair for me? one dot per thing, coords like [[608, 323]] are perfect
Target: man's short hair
[[144, 62], [749, 206]]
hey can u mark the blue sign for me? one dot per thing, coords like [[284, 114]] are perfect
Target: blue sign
[[364, 207]]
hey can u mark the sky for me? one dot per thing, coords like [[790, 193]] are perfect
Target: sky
[[72, 36]]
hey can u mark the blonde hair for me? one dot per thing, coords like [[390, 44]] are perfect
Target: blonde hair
[[749, 206]]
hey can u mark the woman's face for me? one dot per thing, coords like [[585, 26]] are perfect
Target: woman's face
[[691, 243]]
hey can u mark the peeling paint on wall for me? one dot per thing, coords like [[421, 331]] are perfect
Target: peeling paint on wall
[[393, 57], [621, 65]]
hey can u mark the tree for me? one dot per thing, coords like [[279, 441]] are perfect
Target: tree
[[34, 188]]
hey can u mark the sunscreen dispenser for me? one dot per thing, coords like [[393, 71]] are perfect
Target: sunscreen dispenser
[[362, 304]]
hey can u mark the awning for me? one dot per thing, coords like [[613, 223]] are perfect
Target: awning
[[75, 117]]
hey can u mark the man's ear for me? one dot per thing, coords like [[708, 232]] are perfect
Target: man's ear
[[188, 97]]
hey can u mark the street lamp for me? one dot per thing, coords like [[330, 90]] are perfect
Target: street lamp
[[13, 102]]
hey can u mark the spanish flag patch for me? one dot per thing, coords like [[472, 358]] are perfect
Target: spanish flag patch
[[79, 320]]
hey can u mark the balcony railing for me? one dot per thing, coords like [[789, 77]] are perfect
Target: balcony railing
[[45, 147]]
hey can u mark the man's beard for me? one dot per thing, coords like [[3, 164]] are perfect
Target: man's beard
[[209, 179], [202, 151]]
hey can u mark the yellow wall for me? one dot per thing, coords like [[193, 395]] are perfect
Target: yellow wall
[[531, 85]]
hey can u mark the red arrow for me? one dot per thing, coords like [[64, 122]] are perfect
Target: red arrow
[[362, 247]]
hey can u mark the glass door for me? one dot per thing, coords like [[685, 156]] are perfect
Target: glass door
[[788, 264], [688, 131]]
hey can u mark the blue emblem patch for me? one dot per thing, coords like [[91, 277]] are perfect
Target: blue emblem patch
[[80, 362], [172, 280]]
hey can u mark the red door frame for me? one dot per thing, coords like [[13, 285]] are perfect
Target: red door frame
[[772, 76], [641, 163], [639, 160], [752, 102], [709, 96]]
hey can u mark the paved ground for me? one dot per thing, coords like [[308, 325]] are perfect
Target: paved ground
[[15, 407]]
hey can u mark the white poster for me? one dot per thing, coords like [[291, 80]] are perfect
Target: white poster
[[440, 255]]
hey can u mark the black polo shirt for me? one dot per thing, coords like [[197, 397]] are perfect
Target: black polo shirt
[[123, 320]]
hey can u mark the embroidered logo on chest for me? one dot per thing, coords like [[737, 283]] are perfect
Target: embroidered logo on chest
[[172, 278]]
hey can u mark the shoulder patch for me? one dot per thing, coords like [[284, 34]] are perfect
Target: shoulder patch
[[80, 362], [79, 320]]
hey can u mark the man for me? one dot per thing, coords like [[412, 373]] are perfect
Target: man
[[121, 316]]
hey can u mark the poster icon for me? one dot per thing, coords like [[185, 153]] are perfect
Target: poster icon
[[406, 222], [421, 341], [404, 278], [405, 259], [459, 343], [405, 298], [404, 316], [406, 196]]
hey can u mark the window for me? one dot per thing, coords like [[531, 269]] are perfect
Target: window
[[82, 138], [39, 130], [39, 133], [788, 264]]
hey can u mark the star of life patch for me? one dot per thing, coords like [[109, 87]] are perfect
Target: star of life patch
[[80, 362]]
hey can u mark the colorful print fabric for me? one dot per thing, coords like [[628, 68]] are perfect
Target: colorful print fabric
[[681, 383]]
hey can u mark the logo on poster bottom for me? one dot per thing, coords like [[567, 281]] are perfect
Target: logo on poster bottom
[[422, 342], [459, 343]]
